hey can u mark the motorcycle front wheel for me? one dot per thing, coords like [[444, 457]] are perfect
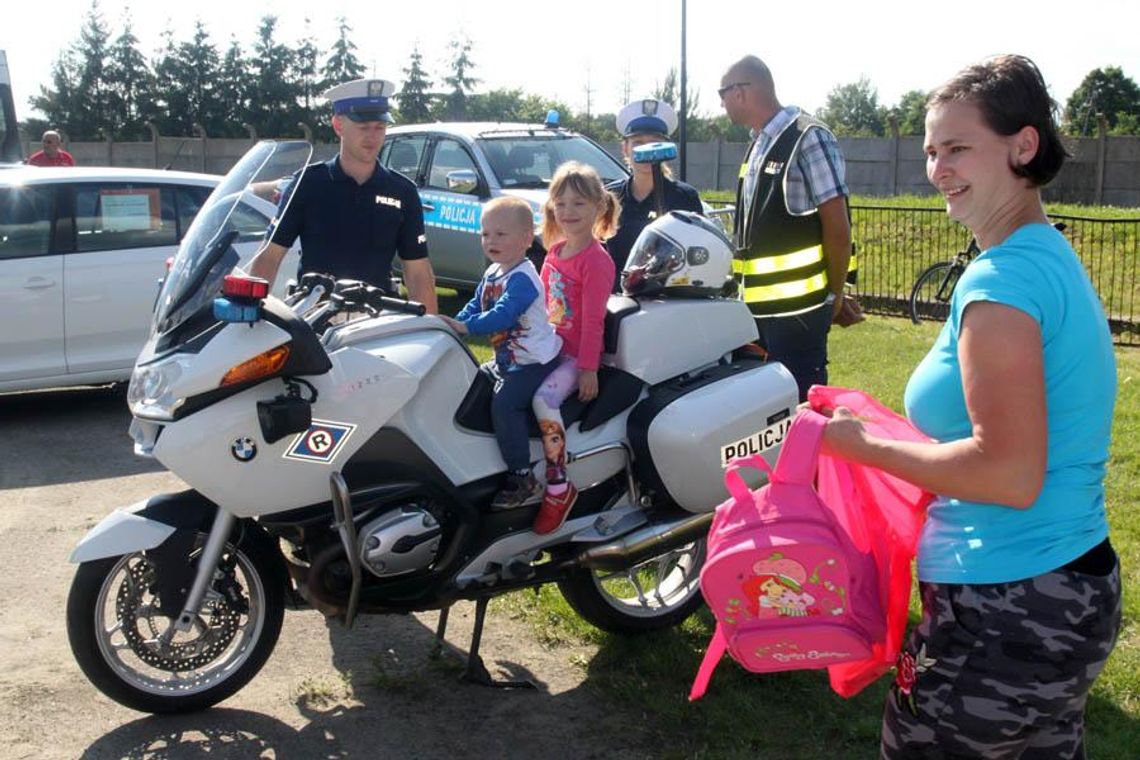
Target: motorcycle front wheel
[[120, 638], [653, 595]]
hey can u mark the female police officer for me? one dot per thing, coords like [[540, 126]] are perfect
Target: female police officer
[[642, 122], [352, 214]]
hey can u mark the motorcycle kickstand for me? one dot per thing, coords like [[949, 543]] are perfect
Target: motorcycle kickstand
[[476, 671]]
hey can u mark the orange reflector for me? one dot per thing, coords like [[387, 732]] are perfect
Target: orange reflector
[[263, 365]]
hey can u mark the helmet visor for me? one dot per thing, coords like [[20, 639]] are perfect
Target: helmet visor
[[654, 257]]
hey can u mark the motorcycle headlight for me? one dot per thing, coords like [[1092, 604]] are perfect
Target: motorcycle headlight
[[152, 393]]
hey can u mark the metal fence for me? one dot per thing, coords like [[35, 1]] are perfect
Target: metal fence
[[896, 244]]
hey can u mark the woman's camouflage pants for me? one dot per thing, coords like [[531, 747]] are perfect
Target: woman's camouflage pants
[[1002, 670]]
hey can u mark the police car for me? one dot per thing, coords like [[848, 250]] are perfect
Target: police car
[[459, 166]]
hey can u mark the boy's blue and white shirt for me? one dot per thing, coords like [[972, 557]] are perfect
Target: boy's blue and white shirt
[[510, 306]]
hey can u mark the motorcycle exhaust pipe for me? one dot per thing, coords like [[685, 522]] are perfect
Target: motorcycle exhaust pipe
[[645, 543]]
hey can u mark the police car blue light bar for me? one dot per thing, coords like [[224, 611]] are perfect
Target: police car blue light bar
[[226, 310], [654, 152]]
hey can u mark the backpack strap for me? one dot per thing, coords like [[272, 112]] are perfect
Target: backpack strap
[[799, 453], [717, 645], [735, 483]]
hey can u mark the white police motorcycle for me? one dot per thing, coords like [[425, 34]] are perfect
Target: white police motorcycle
[[339, 451]]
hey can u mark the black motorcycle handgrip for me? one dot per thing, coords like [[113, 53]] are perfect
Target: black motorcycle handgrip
[[414, 308]]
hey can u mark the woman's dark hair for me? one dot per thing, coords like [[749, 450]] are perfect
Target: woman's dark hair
[[1010, 92]]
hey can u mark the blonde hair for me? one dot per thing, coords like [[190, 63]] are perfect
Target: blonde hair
[[584, 180], [516, 209]]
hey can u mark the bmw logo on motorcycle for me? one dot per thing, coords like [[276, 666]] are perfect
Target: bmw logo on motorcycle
[[243, 449]]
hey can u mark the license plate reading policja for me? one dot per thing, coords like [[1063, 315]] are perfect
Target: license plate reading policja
[[756, 443]]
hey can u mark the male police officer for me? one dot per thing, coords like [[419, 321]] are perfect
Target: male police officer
[[352, 214], [793, 235]]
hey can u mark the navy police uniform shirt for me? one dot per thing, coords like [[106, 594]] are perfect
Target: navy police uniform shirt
[[636, 215], [352, 231]]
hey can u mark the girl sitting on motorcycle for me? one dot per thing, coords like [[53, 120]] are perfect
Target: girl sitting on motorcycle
[[577, 276]]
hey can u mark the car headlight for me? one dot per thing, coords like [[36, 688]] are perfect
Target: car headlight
[[152, 393]]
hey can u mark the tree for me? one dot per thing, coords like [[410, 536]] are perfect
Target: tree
[[459, 80], [853, 109], [669, 90], [496, 105], [342, 65], [198, 64], [57, 103], [172, 104], [232, 88], [130, 85], [415, 99], [91, 107], [911, 113], [305, 75], [274, 95], [1106, 91]]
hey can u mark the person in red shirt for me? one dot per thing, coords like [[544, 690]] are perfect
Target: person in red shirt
[[577, 276], [53, 153]]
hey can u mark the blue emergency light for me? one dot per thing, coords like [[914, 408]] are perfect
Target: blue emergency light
[[552, 119], [226, 310], [656, 152]]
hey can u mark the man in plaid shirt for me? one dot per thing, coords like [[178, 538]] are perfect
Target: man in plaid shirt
[[793, 233]]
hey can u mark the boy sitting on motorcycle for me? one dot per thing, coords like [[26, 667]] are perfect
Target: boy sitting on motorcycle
[[510, 306]]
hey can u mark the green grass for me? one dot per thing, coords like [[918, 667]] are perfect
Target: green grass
[[796, 715]]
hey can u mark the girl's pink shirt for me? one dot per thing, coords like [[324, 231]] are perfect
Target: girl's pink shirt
[[577, 290]]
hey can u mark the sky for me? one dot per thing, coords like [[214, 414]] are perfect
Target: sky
[[563, 50]]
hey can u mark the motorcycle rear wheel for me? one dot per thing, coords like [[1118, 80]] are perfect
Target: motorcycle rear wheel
[[114, 625], [653, 595]]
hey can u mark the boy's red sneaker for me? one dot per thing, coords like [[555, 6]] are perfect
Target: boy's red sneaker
[[555, 508]]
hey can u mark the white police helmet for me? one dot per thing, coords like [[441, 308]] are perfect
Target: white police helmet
[[680, 254]]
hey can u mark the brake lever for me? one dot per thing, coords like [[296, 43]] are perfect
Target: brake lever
[[309, 301]]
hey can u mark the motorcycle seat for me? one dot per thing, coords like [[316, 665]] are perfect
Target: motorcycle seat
[[617, 391]]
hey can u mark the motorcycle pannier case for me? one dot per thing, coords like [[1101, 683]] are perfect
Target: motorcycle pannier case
[[687, 430]]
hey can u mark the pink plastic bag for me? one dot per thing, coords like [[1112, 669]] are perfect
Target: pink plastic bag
[[884, 515]]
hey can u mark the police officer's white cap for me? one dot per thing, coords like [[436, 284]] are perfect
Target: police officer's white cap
[[362, 99], [647, 116]]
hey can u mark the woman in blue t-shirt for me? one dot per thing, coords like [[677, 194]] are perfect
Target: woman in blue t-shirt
[[1020, 585]]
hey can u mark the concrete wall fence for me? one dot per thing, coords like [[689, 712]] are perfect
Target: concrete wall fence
[[1104, 170]]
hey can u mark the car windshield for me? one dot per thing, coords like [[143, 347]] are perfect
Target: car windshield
[[529, 161], [206, 254]]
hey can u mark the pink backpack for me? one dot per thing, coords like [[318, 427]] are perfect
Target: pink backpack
[[788, 587]]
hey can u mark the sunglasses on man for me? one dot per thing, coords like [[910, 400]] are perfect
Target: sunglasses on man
[[730, 87]]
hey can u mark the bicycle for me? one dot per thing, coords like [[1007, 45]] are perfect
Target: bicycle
[[930, 296]]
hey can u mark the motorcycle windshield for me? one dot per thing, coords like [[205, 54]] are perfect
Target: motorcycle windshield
[[267, 173]]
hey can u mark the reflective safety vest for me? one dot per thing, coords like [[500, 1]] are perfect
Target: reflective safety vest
[[779, 255]]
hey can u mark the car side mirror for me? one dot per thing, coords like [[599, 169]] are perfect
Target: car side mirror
[[464, 181]]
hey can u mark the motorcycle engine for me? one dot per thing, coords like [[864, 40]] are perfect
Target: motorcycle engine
[[399, 542]]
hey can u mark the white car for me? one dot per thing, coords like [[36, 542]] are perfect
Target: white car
[[82, 251]]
